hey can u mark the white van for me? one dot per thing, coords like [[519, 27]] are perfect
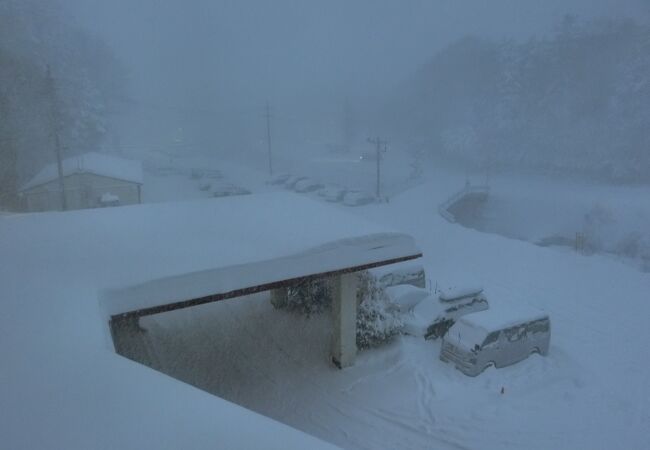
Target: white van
[[495, 337]]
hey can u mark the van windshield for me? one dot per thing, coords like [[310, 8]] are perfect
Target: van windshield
[[465, 335]]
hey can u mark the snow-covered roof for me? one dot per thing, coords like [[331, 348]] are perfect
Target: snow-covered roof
[[95, 163], [63, 274]]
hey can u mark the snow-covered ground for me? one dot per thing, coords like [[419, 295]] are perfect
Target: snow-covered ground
[[591, 391], [612, 220]]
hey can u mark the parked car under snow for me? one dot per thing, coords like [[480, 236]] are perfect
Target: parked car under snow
[[357, 198], [291, 181], [405, 297], [332, 193], [400, 273], [307, 185], [227, 190], [496, 338], [279, 179], [432, 317]]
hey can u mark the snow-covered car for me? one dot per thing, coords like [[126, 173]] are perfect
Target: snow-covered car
[[332, 193], [227, 190], [291, 181], [496, 338], [432, 317], [405, 297], [357, 198], [169, 170], [204, 185], [279, 179], [307, 185], [197, 174], [212, 174], [400, 273]]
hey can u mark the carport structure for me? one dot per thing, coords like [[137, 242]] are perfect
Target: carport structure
[[236, 247], [65, 276]]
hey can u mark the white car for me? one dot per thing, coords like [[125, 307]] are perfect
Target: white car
[[307, 185], [332, 193], [291, 181], [432, 317], [357, 198], [204, 185], [212, 174], [227, 190], [279, 179], [405, 297]]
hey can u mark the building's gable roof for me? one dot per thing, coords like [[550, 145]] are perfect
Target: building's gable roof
[[94, 163]]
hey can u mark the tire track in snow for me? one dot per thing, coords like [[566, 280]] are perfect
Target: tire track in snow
[[390, 425]]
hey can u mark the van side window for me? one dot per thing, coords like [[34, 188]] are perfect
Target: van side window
[[538, 326], [491, 338], [515, 333]]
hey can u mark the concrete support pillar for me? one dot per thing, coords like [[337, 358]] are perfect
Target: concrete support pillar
[[344, 314], [279, 297]]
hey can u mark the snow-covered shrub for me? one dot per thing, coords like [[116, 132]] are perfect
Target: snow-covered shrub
[[599, 228], [376, 321], [630, 244], [310, 297]]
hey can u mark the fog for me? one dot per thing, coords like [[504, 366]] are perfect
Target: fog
[[382, 224], [209, 66]]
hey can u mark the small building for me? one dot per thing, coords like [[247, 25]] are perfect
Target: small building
[[91, 180]]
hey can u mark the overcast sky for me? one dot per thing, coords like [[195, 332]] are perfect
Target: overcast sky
[[264, 47], [240, 53]]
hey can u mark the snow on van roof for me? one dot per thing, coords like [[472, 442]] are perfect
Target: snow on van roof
[[63, 385], [95, 163], [503, 316]]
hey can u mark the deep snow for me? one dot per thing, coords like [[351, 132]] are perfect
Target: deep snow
[[589, 392]]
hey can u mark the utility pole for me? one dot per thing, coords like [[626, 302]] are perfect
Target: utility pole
[[381, 148], [268, 136], [55, 119], [348, 125]]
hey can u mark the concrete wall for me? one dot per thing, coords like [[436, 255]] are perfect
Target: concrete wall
[[82, 191]]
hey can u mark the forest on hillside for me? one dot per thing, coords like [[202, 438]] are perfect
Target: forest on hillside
[[577, 101]]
